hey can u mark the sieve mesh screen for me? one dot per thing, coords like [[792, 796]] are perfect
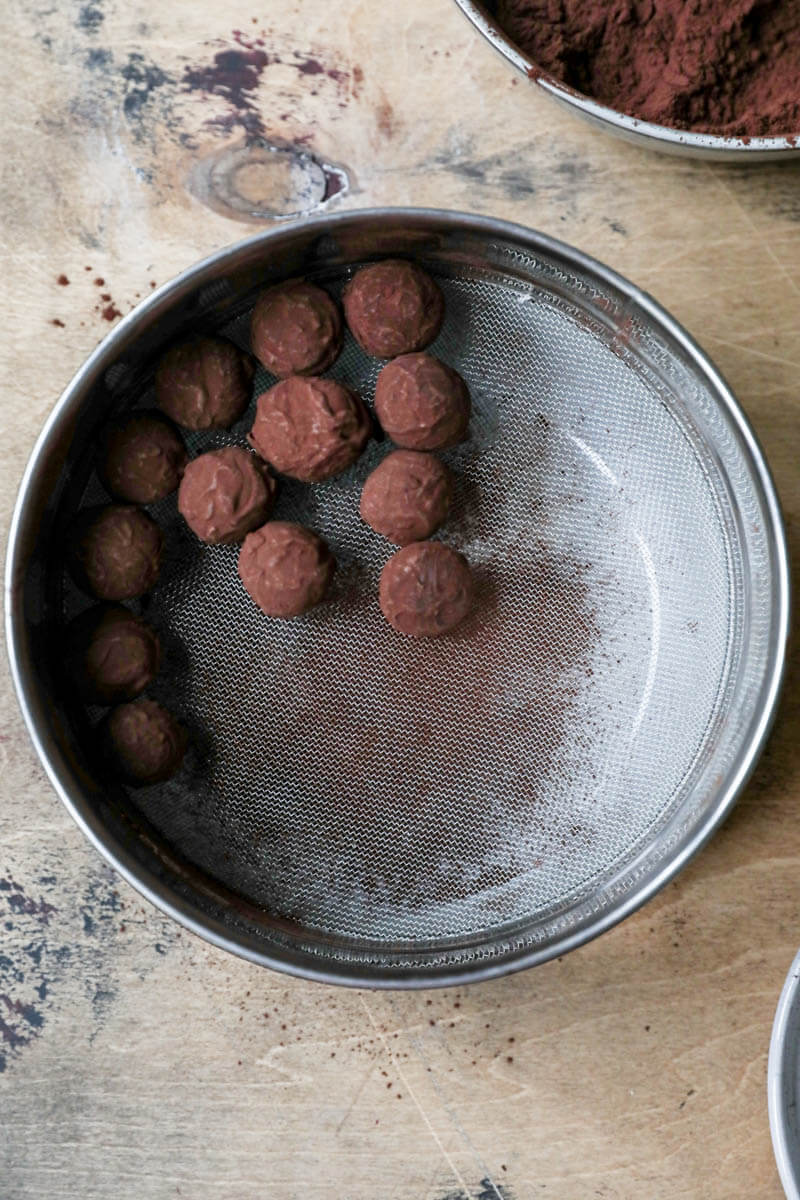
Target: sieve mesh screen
[[389, 792]]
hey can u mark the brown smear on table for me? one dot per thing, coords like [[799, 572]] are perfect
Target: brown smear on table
[[235, 75], [728, 67]]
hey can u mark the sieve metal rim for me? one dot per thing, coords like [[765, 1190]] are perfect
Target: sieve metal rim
[[680, 142], [32, 495]]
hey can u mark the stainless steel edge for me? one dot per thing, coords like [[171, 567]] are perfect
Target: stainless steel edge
[[685, 143], [21, 536], [784, 1136]]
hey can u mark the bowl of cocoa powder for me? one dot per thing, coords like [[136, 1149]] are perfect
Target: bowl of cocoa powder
[[718, 79]]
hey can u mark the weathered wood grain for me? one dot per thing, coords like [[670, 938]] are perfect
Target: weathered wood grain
[[139, 1062]]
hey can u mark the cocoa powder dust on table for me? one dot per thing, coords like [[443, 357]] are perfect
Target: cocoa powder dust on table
[[729, 67]]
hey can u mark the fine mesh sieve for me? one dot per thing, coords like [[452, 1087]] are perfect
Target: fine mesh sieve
[[363, 807]]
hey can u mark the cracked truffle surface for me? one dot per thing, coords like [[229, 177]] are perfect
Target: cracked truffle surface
[[407, 497], [393, 307], [142, 458], [421, 403], [296, 329], [144, 742], [225, 493], [426, 589], [310, 428], [285, 568], [110, 654], [204, 383], [115, 552]]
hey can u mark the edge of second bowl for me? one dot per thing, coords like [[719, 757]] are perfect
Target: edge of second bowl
[[683, 142]]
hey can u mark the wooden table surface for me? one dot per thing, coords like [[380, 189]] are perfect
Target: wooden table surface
[[137, 1061]]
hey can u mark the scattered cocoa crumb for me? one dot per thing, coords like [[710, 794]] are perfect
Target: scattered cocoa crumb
[[60, 324], [509, 1058], [153, 283], [62, 279], [110, 312], [99, 282], [87, 268], [105, 295]]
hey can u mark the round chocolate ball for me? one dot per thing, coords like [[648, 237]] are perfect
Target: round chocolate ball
[[110, 655], [310, 428], [204, 383], [407, 497], [421, 403], [115, 552], [144, 742], [426, 589], [393, 307], [142, 458], [296, 329], [226, 493], [285, 568]]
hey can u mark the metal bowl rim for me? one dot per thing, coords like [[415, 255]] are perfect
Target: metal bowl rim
[[711, 144], [146, 882], [776, 1070]]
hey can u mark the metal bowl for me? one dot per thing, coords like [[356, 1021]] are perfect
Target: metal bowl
[[368, 809], [643, 133], [783, 1083]]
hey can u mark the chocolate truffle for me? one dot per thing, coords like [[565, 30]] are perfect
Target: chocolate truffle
[[393, 307], [226, 493], [110, 655], [204, 383], [425, 589], [285, 568], [296, 329], [115, 552], [144, 742], [407, 497], [310, 428], [142, 458], [421, 403]]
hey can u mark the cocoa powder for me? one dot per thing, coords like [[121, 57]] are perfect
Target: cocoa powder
[[729, 67]]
